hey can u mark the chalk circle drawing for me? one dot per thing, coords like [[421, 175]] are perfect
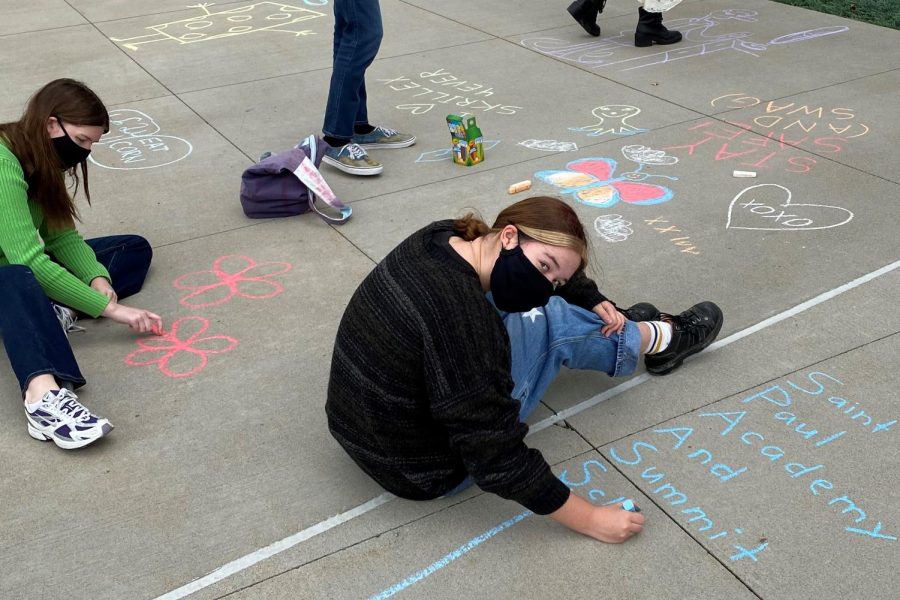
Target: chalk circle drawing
[[134, 142], [231, 275], [447, 153], [592, 181], [549, 145], [181, 352], [699, 40], [613, 228], [263, 16], [648, 156], [754, 206], [612, 120]]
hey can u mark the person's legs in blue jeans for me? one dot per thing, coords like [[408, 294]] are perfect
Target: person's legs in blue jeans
[[127, 258], [560, 334], [35, 343], [357, 37]]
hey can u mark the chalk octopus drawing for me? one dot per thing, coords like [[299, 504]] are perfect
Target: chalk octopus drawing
[[252, 18], [612, 120], [231, 275], [134, 142], [592, 181], [768, 207], [645, 155], [613, 228], [177, 356]]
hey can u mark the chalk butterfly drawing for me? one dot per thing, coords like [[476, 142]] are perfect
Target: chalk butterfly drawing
[[592, 181]]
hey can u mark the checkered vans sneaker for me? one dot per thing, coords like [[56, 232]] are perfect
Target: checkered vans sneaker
[[352, 159], [60, 417], [67, 318], [383, 137]]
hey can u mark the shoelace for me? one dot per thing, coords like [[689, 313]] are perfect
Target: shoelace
[[71, 407], [67, 319], [355, 151]]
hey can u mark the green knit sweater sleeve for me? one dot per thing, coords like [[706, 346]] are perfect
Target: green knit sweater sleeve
[[21, 243]]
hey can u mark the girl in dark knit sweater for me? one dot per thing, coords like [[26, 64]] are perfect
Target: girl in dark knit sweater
[[450, 342]]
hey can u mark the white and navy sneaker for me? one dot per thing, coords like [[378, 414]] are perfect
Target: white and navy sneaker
[[67, 318], [60, 417]]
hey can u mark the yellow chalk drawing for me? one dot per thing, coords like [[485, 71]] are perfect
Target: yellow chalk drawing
[[252, 18]]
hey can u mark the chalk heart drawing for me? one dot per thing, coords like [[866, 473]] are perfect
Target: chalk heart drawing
[[549, 145], [768, 207], [134, 142], [231, 275], [251, 18], [613, 228], [593, 181], [183, 351]]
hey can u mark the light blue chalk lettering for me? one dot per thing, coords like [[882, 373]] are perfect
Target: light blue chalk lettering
[[672, 492], [807, 433], [595, 494], [813, 379], [797, 469], [700, 451], [787, 417], [718, 535], [875, 533], [839, 402], [701, 515], [862, 413], [731, 423], [634, 448], [748, 553], [674, 431], [746, 433], [786, 401], [851, 409], [651, 478], [446, 560], [851, 506], [883, 426], [725, 472], [822, 483], [614, 500], [585, 470], [830, 438], [772, 457]]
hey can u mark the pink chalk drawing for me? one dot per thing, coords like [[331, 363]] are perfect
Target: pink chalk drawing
[[189, 352], [242, 277]]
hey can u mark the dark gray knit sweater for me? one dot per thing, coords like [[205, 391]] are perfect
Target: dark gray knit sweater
[[419, 394]]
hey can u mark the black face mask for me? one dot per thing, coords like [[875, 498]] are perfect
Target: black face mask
[[69, 153], [516, 284]]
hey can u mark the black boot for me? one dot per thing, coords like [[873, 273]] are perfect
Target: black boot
[[585, 12], [692, 331], [650, 29]]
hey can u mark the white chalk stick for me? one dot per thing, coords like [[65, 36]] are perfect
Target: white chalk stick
[[744, 173]]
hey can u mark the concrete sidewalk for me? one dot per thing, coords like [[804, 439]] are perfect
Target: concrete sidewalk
[[767, 466]]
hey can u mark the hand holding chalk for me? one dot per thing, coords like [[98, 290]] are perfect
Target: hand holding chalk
[[630, 506], [519, 187]]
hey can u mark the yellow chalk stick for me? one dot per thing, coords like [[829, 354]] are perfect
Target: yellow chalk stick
[[520, 187]]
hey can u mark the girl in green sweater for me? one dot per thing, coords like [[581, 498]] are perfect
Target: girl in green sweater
[[47, 270]]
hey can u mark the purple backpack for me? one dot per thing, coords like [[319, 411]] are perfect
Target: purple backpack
[[289, 183]]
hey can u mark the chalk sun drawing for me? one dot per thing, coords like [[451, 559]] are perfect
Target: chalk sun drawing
[[613, 228], [698, 41], [592, 181], [549, 145], [612, 120], [251, 18], [648, 156], [447, 153], [231, 275], [189, 354], [134, 142], [776, 204]]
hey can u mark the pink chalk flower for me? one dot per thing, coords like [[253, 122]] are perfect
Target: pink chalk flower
[[231, 276], [181, 357]]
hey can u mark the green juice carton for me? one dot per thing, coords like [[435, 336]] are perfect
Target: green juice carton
[[466, 140]]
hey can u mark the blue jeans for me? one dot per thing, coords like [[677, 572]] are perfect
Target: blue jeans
[[357, 37], [35, 342], [561, 334]]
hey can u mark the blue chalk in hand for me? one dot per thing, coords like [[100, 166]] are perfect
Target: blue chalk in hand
[[630, 506]]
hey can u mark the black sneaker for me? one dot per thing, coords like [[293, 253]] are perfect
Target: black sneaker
[[692, 331], [642, 311]]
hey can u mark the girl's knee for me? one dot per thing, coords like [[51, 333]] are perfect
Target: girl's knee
[[16, 275]]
